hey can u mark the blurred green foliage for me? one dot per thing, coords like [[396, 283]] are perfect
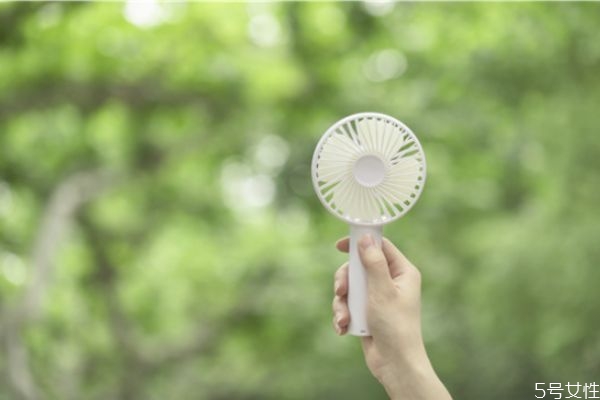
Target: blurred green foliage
[[159, 237]]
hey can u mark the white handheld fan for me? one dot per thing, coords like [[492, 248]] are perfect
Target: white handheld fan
[[368, 169]]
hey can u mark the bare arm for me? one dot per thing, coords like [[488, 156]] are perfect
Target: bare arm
[[395, 353]]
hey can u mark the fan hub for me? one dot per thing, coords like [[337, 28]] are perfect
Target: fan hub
[[369, 170]]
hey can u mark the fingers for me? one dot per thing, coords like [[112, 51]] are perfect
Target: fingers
[[382, 265], [340, 281], [375, 263], [343, 245], [397, 262], [341, 314]]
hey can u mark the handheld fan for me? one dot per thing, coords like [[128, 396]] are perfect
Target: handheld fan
[[368, 169]]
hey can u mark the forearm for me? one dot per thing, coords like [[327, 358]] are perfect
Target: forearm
[[414, 381]]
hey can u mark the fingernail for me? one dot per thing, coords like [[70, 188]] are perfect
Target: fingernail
[[338, 319], [366, 241], [338, 330]]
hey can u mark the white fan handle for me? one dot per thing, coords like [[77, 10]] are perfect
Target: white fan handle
[[357, 280]]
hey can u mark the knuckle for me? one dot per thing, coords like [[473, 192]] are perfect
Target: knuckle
[[337, 304], [374, 258], [417, 274], [344, 269], [340, 271]]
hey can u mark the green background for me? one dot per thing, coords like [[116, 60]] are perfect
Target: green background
[[160, 239]]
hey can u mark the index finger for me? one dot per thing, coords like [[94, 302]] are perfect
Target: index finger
[[397, 262]]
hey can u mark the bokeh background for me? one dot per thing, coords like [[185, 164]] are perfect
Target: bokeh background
[[160, 239]]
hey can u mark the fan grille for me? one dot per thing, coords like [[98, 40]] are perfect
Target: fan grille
[[357, 136]]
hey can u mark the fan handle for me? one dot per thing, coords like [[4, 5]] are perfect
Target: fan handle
[[357, 280]]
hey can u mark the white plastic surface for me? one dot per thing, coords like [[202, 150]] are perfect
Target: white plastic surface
[[368, 169], [357, 280]]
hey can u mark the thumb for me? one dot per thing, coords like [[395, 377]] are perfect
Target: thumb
[[375, 264]]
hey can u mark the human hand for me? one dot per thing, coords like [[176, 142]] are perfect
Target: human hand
[[395, 353]]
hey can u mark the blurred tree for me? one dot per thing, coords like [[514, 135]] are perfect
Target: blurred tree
[[159, 237]]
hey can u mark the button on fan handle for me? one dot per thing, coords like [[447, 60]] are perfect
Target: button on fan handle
[[357, 280]]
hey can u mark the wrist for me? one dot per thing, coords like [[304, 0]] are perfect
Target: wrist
[[413, 379]]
